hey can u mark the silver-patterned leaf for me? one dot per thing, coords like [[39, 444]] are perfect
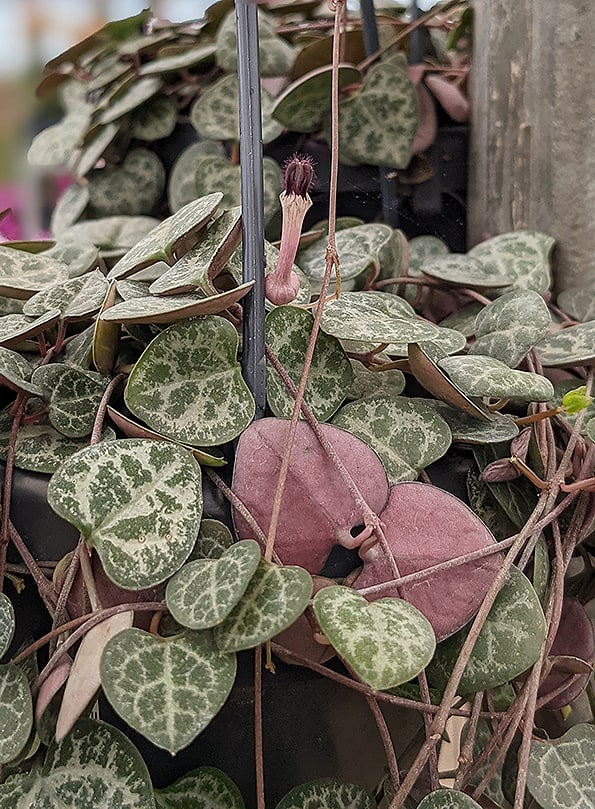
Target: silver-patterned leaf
[[463, 319], [137, 502], [523, 257], [76, 299], [156, 119], [17, 712], [358, 247], [508, 644], [448, 799], [200, 266], [94, 767], [366, 383], [41, 448], [276, 55], [168, 689], [387, 642], [55, 145], [69, 208], [327, 794], [188, 383], [215, 113], [509, 327], [560, 772], [462, 270], [218, 174], [161, 242], [22, 274], [6, 623], [378, 123], [303, 105], [75, 400], [205, 788], [132, 96], [110, 233], [590, 429], [578, 302], [468, 430], [15, 329], [133, 188], [172, 63], [330, 376], [84, 159], [486, 376], [407, 435], [181, 186], [15, 372], [213, 540], [203, 592], [567, 347], [422, 248], [80, 258], [274, 599]]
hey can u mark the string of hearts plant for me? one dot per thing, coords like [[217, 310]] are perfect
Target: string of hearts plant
[[470, 609]]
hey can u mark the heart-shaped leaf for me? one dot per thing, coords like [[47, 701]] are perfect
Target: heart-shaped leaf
[[509, 643], [218, 174], [567, 347], [74, 401], [407, 435], [85, 158], [214, 538], [523, 257], [327, 794], [203, 592], [448, 799], [509, 327], [17, 712], [76, 299], [84, 679], [56, 144], [95, 763], [16, 329], [168, 689], [560, 772], [275, 54], [15, 372], [215, 114], [463, 270], [178, 60], [379, 122], [578, 302], [138, 502], [188, 383], [468, 430], [23, 274], [319, 51], [303, 105], [387, 643], [112, 234], [6, 623], [274, 599], [207, 788], [181, 187], [316, 503], [486, 376], [287, 333], [160, 244], [133, 188], [133, 95], [366, 383], [156, 119], [463, 319], [418, 539]]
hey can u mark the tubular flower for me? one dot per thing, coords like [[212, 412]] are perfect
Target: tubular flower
[[282, 285]]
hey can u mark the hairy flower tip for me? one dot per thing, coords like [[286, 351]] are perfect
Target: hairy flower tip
[[298, 174]]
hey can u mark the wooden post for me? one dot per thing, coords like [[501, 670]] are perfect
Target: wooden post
[[532, 161]]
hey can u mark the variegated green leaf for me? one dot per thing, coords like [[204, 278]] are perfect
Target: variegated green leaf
[[215, 113], [137, 502], [378, 123], [590, 429], [205, 788], [199, 267], [17, 712], [578, 302], [15, 372], [567, 347], [358, 249], [132, 96], [76, 299], [462, 270], [69, 208], [275, 598], [15, 329], [181, 186], [80, 258], [214, 538], [327, 794], [84, 159], [133, 188], [188, 384], [6, 623], [422, 248], [407, 435], [94, 767], [156, 119], [22, 274], [448, 799], [174, 62], [276, 55], [486, 376], [487, 507], [468, 430], [368, 383], [111, 233], [509, 327], [523, 257], [10, 306], [168, 689], [463, 319], [303, 105], [560, 772], [287, 333], [75, 400], [55, 145], [218, 174], [387, 642], [160, 243], [204, 591], [509, 643]]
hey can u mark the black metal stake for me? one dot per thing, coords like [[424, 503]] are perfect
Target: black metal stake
[[253, 261], [390, 200]]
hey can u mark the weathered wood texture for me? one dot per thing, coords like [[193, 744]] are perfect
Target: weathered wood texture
[[532, 161]]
